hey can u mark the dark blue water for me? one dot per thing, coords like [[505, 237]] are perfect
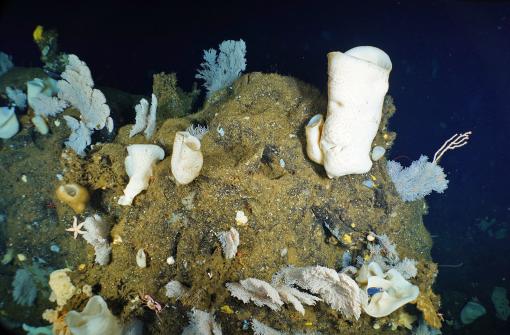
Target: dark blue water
[[451, 70]]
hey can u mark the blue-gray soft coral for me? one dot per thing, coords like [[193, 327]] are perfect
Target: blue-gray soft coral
[[5, 63], [220, 70], [417, 180], [24, 289]]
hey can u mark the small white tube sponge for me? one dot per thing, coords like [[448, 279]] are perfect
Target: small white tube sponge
[[187, 159], [313, 136], [139, 163], [357, 84]]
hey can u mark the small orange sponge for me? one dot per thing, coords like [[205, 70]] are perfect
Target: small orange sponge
[[73, 195]]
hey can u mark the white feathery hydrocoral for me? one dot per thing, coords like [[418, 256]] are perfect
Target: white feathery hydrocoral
[[407, 268], [141, 109], [272, 295], [77, 89], [80, 136], [336, 289], [291, 295], [256, 290], [44, 105], [229, 242]]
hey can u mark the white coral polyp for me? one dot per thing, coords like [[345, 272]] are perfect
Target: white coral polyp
[[139, 162]]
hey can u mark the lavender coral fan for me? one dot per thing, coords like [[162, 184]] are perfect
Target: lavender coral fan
[[24, 289], [418, 180], [220, 70], [77, 89], [5, 63]]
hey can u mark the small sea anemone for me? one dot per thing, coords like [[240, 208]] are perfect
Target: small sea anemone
[[197, 131]]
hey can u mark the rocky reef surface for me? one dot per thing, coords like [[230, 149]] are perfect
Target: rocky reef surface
[[254, 162]]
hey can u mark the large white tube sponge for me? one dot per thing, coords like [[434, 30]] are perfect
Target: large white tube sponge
[[357, 84]]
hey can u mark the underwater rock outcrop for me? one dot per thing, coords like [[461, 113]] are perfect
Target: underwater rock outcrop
[[254, 161]]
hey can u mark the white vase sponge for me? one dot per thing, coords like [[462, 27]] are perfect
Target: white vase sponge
[[187, 158], [139, 162]]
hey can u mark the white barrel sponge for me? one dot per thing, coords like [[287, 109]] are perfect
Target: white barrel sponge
[[187, 159], [139, 163], [357, 84]]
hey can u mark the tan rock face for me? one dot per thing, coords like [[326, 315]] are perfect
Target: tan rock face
[[256, 164], [290, 205]]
